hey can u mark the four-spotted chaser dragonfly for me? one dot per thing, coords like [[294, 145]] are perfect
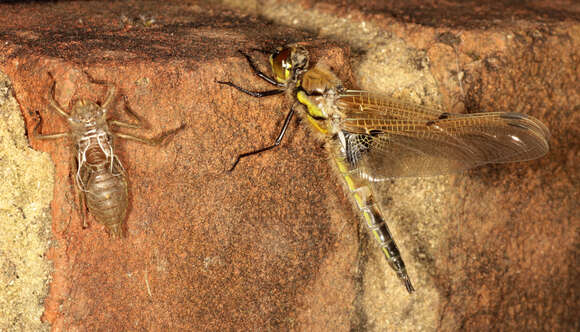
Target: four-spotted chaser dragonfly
[[372, 137]]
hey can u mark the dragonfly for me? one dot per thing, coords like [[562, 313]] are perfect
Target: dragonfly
[[372, 137]]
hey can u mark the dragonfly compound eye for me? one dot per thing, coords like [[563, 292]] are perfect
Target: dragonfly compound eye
[[289, 63], [281, 64]]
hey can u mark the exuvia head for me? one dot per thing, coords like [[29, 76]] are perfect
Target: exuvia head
[[289, 63], [87, 114]]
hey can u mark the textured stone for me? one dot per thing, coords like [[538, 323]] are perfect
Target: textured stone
[[25, 195], [275, 244]]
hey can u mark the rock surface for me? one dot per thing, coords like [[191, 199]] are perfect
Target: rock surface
[[275, 244], [25, 194]]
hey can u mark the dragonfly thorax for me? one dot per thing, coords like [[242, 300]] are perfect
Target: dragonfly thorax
[[320, 81], [318, 91]]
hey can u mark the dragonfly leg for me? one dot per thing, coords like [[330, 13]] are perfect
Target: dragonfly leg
[[257, 94], [35, 133], [258, 72], [276, 143], [82, 207], [55, 105], [267, 52], [80, 178], [111, 90], [161, 139], [140, 122]]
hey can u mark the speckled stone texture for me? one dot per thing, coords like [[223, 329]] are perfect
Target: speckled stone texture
[[275, 245], [26, 187]]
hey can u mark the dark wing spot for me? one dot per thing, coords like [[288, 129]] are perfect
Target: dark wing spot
[[512, 116]]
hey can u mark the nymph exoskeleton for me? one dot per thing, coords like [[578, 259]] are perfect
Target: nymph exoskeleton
[[101, 180]]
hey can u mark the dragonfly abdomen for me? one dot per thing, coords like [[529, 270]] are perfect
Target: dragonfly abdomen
[[364, 199]]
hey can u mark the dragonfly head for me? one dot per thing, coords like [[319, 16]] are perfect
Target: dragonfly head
[[289, 63]]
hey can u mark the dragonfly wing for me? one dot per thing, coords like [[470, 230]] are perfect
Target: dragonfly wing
[[398, 140]]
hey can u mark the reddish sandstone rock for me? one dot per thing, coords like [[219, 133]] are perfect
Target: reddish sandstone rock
[[274, 244]]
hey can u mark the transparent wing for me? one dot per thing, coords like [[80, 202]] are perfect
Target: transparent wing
[[389, 138]]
